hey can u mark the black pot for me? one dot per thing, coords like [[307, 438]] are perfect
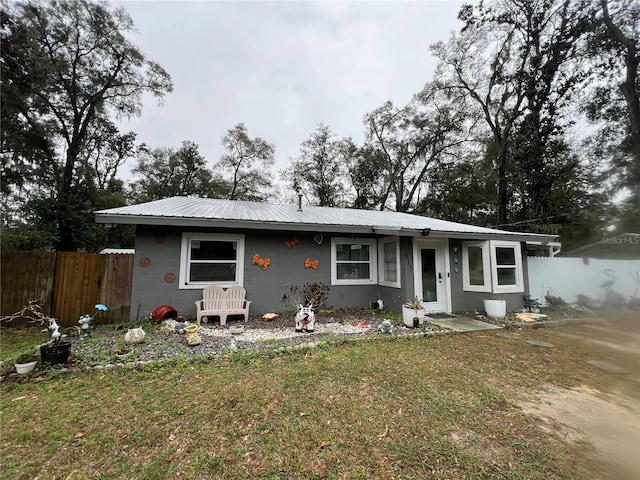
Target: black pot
[[55, 354]]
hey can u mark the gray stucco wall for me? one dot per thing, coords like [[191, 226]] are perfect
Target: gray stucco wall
[[265, 288]]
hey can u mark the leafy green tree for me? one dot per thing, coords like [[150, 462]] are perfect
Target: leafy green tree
[[318, 173], [412, 141], [366, 174], [167, 172], [67, 68], [613, 102], [516, 61], [462, 191], [249, 160]]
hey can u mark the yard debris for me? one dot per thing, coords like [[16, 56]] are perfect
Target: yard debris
[[530, 317], [384, 434], [270, 316]]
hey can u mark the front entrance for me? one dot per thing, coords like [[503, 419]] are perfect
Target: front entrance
[[431, 277]]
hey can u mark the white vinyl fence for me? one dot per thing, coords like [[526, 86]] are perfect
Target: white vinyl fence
[[569, 277]]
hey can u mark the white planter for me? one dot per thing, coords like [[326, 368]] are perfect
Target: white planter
[[236, 329], [408, 314], [124, 356], [23, 368], [495, 308]]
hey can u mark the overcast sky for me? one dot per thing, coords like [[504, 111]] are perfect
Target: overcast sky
[[281, 68]]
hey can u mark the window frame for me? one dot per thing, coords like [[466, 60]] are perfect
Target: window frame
[[381, 262], [185, 260], [486, 267], [517, 287], [491, 267], [373, 261]]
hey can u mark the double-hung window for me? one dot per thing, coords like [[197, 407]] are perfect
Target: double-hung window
[[211, 259], [353, 262], [492, 266], [389, 262], [506, 259]]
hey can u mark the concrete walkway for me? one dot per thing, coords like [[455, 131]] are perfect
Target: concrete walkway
[[462, 324]]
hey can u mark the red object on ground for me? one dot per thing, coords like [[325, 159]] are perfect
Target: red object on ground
[[164, 312]]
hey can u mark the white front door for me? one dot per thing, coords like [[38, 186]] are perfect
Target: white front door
[[431, 275]]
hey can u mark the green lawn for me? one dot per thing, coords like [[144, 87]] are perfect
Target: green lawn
[[436, 407]]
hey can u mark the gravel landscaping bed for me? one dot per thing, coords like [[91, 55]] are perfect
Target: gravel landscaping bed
[[163, 342]]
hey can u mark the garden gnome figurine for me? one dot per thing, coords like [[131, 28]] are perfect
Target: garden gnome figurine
[[305, 319]]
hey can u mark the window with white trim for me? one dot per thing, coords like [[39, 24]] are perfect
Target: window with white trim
[[506, 259], [389, 262], [492, 266], [353, 262], [211, 259], [476, 275]]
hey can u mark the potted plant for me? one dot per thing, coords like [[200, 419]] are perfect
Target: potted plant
[[26, 363], [413, 312], [54, 351], [494, 307]]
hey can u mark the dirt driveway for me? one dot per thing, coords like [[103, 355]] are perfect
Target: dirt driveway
[[604, 411]]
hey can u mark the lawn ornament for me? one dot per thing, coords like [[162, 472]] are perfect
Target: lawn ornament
[[85, 321], [192, 335], [55, 330], [305, 319], [134, 336], [386, 326]]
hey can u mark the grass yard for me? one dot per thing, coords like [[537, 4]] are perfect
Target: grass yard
[[384, 408]]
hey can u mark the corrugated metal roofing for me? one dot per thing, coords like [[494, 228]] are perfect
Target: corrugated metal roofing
[[203, 211]]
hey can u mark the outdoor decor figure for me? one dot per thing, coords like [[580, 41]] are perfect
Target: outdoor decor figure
[[305, 319], [85, 321], [192, 335], [386, 326], [134, 336]]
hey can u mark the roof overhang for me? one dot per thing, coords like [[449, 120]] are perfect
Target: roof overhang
[[188, 222]]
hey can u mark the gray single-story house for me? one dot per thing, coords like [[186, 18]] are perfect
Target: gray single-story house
[[185, 244]]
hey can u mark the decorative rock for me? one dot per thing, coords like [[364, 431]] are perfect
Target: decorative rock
[[608, 367], [538, 343], [508, 335]]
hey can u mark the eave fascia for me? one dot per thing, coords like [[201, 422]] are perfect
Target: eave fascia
[[313, 227]]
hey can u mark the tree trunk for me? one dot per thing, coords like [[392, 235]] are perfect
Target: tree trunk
[[501, 217], [630, 92]]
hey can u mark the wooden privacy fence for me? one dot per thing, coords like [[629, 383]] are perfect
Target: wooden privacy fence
[[67, 285]]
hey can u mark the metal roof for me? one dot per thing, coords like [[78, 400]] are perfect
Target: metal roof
[[207, 212], [118, 251]]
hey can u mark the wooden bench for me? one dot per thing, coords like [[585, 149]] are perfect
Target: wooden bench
[[219, 302]]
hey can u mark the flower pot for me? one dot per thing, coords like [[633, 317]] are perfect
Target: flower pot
[[409, 314], [55, 354], [124, 355], [236, 329], [495, 308], [23, 368]]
